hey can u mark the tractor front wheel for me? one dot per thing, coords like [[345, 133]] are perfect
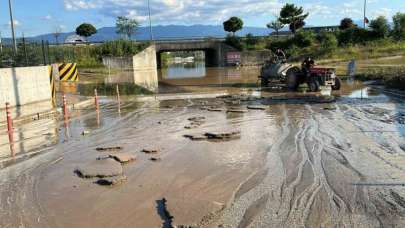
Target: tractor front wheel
[[338, 84], [292, 78], [313, 85]]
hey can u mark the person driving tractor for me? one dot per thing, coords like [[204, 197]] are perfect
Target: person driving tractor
[[280, 55], [307, 65]]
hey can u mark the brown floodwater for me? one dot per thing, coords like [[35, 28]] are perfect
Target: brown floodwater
[[299, 162]]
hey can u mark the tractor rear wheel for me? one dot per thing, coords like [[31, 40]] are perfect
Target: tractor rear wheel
[[292, 78], [338, 84], [264, 81], [313, 85]]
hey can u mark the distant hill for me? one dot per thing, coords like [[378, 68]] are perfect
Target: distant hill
[[161, 32]]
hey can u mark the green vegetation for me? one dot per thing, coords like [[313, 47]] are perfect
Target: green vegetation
[[233, 25], [86, 30], [86, 56], [346, 23], [380, 27], [293, 16], [399, 26], [126, 26], [276, 25], [120, 48]]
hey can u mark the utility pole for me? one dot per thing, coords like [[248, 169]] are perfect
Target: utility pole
[[364, 18], [1, 44], [12, 26], [150, 22]]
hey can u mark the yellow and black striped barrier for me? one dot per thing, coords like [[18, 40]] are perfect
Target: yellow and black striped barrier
[[68, 72], [53, 84]]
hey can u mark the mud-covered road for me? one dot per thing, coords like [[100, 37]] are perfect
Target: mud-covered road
[[296, 162]]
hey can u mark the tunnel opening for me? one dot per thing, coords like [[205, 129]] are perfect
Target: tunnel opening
[[182, 64], [208, 56]]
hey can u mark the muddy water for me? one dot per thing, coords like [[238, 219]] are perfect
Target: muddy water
[[298, 163]]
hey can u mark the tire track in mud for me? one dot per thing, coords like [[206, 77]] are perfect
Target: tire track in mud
[[308, 180]]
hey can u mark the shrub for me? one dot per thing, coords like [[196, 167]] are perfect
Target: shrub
[[304, 38], [399, 26], [354, 36], [380, 27], [234, 41], [328, 42], [283, 44], [120, 48], [251, 41]]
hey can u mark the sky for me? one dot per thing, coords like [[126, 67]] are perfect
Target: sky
[[34, 17]]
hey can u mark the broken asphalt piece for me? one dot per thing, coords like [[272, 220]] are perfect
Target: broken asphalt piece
[[192, 126], [99, 168], [155, 159], [224, 96], [150, 151], [256, 107], [196, 118], [196, 137], [111, 181], [223, 135], [205, 213], [195, 122], [109, 148], [237, 111], [123, 157], [330, 108], [232, 102], [215, 109]]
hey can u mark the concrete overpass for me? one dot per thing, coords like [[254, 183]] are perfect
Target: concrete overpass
[[215, 50]]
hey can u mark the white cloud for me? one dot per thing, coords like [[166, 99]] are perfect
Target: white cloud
[[47, 17], [16, 23], [179, 11], [215, 11]]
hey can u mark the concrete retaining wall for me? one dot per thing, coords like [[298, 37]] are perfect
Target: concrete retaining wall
[[117, 62], [24, 85], [145, 69], [140, 69]]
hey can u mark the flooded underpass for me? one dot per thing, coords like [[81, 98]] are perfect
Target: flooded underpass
[[251, 158]]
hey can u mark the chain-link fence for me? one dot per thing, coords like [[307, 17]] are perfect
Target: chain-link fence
[[42, 53]]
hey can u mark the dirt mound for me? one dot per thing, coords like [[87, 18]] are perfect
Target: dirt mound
[[123, 157], [100, 168], [112, 181]]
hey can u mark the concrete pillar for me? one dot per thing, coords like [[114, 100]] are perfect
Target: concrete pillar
[[145, 69]]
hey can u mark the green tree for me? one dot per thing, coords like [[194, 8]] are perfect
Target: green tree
[[276, 25], [294, 16], [346, 23], [126, 26], [380, 27], [86, 30], [399, 25], [233, 25]]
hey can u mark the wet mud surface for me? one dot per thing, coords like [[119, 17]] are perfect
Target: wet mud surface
[[294, 162]]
